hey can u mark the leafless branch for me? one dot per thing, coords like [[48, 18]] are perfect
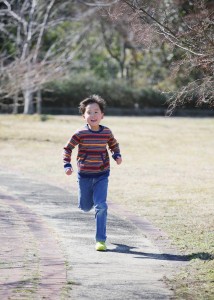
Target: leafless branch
[[163, 29], [99, 3], [45, 19], [200, 91]]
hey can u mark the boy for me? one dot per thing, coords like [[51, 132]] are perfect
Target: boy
[[93, 163]]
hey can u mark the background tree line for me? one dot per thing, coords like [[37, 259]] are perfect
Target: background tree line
[[145, 53]]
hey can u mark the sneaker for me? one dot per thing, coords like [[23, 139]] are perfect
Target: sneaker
[[101, 246]]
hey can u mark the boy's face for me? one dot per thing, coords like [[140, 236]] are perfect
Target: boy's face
[[93, 116]]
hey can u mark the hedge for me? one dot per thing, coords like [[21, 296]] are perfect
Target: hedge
[[117, 93]]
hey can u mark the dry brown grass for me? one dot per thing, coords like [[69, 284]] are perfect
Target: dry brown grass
[[167, 176]]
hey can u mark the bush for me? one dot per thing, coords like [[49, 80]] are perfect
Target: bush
[[117, 93], [152, 98]]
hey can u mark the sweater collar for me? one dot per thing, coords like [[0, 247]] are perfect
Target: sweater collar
[[98, 131]]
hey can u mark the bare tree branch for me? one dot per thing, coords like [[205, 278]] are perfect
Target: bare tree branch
[[9, 12], [39, 40], [164, 30], [31, 65], [99, 3]]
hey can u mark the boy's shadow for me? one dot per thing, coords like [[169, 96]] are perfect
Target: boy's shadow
[[121, 248]]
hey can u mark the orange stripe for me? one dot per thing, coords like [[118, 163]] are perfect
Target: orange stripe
[[73, 145], [103, 145], [97, 161]]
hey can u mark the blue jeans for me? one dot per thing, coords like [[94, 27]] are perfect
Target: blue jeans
[[93, 193]]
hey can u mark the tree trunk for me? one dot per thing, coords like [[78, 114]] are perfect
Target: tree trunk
[[28, 101], [15, 104], [39, 102], [122, 69]]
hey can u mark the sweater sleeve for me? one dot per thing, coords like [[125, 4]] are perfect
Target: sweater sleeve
[[67, 150], [114, 147]]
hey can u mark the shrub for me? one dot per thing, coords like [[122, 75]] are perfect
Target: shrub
[[117, 93], [150, 98]]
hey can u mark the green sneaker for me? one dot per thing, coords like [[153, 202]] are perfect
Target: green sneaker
[[101, 246]]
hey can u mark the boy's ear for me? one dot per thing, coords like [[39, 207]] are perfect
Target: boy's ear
[[102, 115]]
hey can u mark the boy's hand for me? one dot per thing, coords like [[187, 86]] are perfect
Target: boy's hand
[[119, 160], [68, 171]]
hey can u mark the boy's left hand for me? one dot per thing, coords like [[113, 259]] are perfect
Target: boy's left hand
[[119, 160]]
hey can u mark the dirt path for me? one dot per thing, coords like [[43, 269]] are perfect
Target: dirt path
[[43, 220], [31, 262]]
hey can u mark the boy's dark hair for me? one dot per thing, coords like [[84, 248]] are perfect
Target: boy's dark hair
[[92, 99]]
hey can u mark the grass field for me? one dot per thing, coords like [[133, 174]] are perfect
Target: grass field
[[167, 176]]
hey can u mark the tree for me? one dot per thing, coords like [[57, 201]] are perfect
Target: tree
[[184, 25], [29, 63]]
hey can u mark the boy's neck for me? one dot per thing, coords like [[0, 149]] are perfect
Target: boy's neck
[[94, 128]]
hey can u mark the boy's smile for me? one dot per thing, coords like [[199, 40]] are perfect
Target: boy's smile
[[93, 115]]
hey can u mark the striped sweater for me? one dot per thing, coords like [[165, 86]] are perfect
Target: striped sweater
[[92, 157]]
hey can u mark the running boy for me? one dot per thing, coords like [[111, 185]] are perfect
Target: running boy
[[93, 163]]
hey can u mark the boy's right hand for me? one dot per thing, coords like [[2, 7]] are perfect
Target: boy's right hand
[[68, 171]]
